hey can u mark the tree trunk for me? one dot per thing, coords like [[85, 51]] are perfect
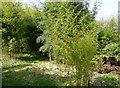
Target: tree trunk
[[50, 56]]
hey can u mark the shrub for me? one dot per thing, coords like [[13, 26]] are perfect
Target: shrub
[[111, 49], [107, 80]]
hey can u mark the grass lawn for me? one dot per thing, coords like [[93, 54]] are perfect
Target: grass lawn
[[31, 71]]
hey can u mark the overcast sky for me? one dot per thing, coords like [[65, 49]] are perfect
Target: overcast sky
[[108, 9]]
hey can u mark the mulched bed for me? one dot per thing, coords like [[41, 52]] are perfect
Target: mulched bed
[[108, 65]]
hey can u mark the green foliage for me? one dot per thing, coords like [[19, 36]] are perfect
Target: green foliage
[[12, 45], [107, 80], [10, 14], [68, 38], [111, 49], [20, 23], [105, 37], [67, 31], [108, 38], [56, 17]]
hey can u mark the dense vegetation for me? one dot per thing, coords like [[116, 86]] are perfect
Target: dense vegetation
[[65, 32]]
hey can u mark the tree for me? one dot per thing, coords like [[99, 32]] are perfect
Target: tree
[[11, 12], [66, 41], [30, 30], [77, 9], [20, 24]]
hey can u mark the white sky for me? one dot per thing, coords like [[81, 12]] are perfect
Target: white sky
[[108, 9]]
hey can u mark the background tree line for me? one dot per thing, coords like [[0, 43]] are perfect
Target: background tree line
[[19, 27]]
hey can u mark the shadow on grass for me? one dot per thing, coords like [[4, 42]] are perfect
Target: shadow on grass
[[30, 58], [24, 73], [15, 66], [26, 77]]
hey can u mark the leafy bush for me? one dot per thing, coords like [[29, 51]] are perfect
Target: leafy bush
[[108, 37], [107, 80], [111, 49]]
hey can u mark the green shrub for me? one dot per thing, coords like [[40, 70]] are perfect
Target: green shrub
[[111, 49], [107, 80]]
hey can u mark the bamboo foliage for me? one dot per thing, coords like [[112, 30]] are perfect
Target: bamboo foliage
[[69, 40]]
